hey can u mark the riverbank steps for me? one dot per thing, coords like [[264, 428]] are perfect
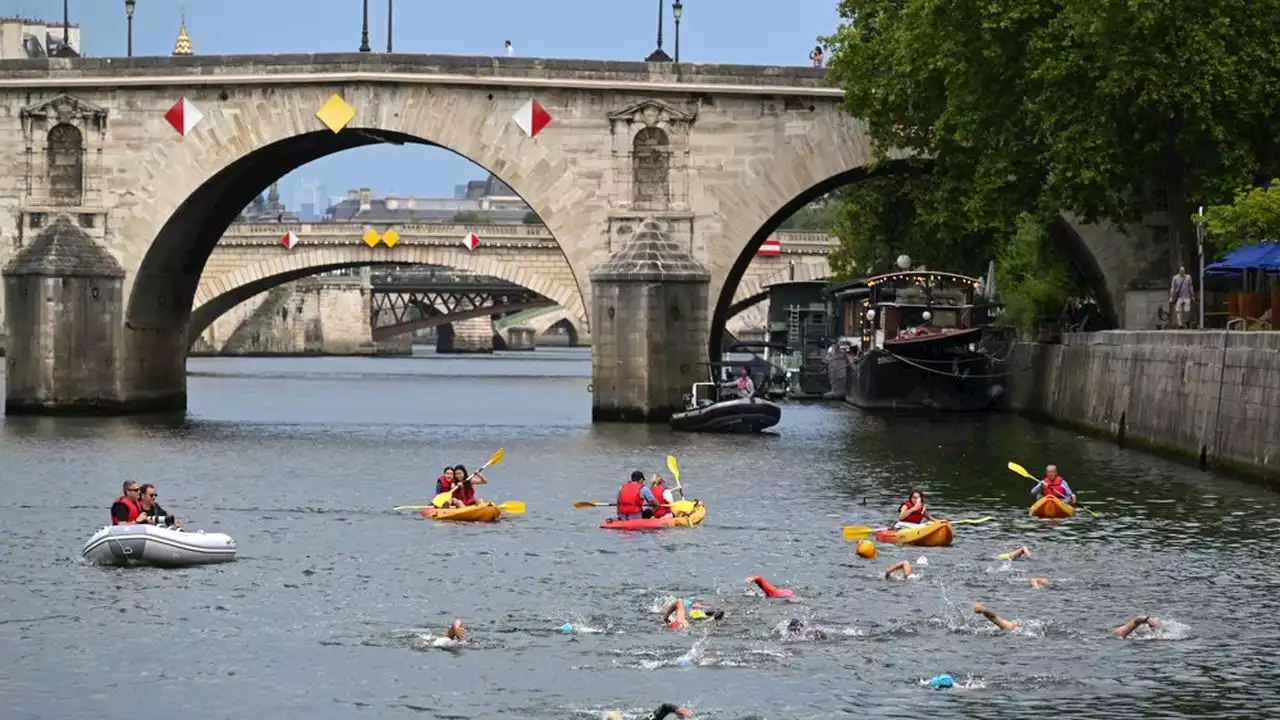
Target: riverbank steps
[[1208, 397]]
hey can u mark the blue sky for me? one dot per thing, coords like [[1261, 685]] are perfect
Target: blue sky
[[760, 32]]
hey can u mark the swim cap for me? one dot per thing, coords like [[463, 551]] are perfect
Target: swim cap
[[688, 604], [941, 681], [1004, 556], [566, 628], [866, 549]]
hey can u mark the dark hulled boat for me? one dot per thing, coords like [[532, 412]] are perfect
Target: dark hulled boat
[[928, 342], [724, 415]]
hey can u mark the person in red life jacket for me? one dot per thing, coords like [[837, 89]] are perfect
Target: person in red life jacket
[[444, 482], [1055, 485], [657, 498], [913, 510], [769, 590], [743, 385], [630, 504], [465, 494], [125, 510]]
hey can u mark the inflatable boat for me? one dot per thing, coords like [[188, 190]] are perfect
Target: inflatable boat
[[160, 546], [739, 415]]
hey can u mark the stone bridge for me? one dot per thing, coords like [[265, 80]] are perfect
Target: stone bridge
[[659, 182], [251, 258]]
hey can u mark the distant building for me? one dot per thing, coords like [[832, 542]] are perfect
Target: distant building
[[481, 201], [22, 38], [268, 209]]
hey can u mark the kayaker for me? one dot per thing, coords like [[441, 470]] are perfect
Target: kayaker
[[657, 498], [445, 481], [913, 510], [630, 502], [1055, 485], [902, 565], [1019, 553], [466, 492], [125, 509], [769, 590], [156, 515]]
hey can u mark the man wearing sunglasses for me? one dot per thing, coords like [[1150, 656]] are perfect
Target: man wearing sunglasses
[[150, 508], [126, 510]]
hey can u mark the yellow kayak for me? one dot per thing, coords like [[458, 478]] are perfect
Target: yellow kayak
[[487, 512], [934, 534], [676, 520], [1052, 507]]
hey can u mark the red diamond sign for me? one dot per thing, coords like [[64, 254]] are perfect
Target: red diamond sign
[[289, 240], [471, 242], [532, 117], [184, 116]]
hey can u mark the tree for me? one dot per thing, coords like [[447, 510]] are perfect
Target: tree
[[818, 216], [1104, 108], [1252, 218], [470, 217]]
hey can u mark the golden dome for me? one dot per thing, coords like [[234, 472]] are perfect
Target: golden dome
[[183, 45]]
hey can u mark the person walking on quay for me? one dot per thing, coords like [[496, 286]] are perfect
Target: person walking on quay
[[1180, 294]]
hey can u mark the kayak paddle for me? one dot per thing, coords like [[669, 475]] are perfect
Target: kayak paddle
[[853, 532], [513, 507], [681, 505], [1023, 472], [587, 503], [447, 495]]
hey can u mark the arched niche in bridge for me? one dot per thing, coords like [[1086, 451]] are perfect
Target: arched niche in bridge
[[651, 169], [65, 151], [1060, 231], [164, 289]]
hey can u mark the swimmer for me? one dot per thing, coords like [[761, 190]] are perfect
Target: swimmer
[[994, 618], [456, 631], [769, 590], [902, 565], [660, 714], [798, 630], [1038, 583], [1124, 630], [1019, 553], [676, 608]]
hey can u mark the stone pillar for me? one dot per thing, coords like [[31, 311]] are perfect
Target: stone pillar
[[64, 300], [471, 336], [649, 328], [521, 337]]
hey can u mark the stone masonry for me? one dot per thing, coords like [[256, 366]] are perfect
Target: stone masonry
[[720, 154]]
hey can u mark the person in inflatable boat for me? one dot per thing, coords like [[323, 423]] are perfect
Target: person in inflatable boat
[[125, 510], [152, 510]]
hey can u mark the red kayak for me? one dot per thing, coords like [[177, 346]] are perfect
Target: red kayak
[[670, 521]]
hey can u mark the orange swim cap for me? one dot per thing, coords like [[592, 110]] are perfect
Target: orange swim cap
[[866, 549]]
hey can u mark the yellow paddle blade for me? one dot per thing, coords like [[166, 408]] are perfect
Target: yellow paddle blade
[[673, 467], [1021, 471], [442, 498], [496, 458], [587, 503], [410, 507], [683, 506], [515, 507], [853, 532]]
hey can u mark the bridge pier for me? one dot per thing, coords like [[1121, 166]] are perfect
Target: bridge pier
[[649, 326], [521, 337], [471, 336], [64, 300]]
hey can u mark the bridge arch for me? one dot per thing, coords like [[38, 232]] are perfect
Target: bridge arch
[[169, 237], [219, 296], [558, 316]]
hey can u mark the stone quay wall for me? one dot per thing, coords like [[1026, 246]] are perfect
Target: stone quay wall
[[1210, 397]]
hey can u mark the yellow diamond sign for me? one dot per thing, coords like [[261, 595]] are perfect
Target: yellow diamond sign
[[371, 237], [335, 113], [391, 237]]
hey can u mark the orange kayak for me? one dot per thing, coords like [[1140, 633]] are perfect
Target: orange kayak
[[670, 521], [1051, 507], [934, 534], [487, 512]]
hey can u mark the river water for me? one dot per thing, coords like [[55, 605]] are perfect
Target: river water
[[329, 609]]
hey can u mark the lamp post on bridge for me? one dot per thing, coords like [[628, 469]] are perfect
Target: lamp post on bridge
[[658, 55], [677, 10], [128, 14], [389, 25], [364, 31]]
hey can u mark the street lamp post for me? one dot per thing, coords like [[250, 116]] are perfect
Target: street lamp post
[[1200, 249], [677, 9], [658, 55], [364, 31], [128, 13], [388, 25]]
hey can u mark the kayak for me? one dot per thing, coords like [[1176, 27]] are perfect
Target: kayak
[[1052, 507], [487, 512], [678, 520], [934, 534]]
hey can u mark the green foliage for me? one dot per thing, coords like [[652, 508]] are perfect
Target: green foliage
[[1252, 218], [1104, 108], [470, 217], [1032, 275], [818, 216]]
